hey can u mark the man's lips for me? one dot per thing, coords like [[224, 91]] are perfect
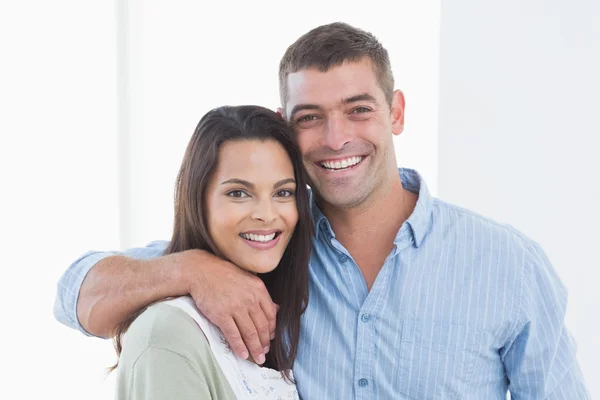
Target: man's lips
[[340, 164]]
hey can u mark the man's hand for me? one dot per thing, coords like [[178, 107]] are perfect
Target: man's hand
[[233, 299]]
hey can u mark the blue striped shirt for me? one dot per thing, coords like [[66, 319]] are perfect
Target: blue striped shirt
[[463, 308]]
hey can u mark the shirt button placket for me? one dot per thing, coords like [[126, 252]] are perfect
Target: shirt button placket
[[364, 361]]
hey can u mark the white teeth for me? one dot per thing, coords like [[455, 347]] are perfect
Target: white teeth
[[341, 164], [258, 238]]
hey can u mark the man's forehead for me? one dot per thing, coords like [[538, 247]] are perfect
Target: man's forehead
[[355, 72], [311, 86]]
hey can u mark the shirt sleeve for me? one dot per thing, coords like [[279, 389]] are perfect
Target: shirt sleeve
[[69, 284], [541, 360]]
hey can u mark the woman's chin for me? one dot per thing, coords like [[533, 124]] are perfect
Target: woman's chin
[[265, 269], [256, 262], [260, 268]]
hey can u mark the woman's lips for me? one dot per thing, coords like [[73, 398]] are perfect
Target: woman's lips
[[262, 245]]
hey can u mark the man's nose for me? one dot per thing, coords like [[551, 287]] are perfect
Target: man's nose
[[337, 135]]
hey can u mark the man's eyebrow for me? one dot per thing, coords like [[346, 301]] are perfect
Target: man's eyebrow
[[283, 182], [238, 182], [360, 97]]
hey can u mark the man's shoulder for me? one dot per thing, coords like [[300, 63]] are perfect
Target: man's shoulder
[[475, 225]]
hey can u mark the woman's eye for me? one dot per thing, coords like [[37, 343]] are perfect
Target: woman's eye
[[285, 193], [237, 193]]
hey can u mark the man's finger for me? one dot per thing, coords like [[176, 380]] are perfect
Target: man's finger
[[234, 338], [270, 310], [250, 337], [261, 323]]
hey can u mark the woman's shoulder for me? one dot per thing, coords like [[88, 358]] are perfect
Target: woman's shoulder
[[166, 355], [164, 326]]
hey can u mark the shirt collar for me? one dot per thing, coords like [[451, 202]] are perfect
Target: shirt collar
[[416, 226], [321, 222], [419, 221]]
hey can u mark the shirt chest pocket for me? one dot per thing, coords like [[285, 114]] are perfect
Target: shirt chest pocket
[[436, 359]]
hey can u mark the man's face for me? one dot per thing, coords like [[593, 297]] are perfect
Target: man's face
[[344, 129]]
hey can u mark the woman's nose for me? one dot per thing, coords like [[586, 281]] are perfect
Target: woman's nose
[[264, 212]]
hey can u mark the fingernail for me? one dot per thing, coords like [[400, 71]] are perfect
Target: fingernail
[[266, 349], [272, 336], [245, 355], [261, 359]]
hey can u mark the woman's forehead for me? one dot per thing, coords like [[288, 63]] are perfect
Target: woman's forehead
[[254, 161]]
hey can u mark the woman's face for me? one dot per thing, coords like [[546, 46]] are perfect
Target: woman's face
[[251, 203]]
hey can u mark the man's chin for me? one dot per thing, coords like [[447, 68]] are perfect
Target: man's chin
[[347, 198]]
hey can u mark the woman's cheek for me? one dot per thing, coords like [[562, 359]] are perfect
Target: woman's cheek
[[234, 213], [290, 214]]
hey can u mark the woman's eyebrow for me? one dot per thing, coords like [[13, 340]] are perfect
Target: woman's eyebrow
[[250, 185], [237, 181], [283, 182]]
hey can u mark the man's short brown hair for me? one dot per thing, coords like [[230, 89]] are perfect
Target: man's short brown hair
[[331, 45]]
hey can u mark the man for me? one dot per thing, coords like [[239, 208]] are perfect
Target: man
[[409, 297]]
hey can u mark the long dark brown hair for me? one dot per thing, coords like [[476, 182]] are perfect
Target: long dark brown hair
[[288, 283]]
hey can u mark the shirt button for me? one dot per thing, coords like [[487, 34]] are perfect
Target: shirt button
[[363, 382], [343, 258], [365, 317]]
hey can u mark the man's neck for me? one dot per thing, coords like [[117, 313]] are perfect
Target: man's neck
[[368, 231], [382, 214]]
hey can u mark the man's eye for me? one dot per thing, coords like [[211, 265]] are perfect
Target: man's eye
[[306, 118], [361, 110], [285, 193], [237, 193]]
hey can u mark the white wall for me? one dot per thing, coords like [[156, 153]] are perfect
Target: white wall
[[97, 103], [520, 135], [58, 167]]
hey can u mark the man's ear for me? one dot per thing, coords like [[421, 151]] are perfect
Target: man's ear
[[281, 112], [398, 112]]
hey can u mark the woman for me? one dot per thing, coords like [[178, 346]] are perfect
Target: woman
[[240, 194]]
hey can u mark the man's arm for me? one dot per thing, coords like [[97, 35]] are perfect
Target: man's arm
[[70, 284], [117, 286], [99, 290], [541, 360]]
